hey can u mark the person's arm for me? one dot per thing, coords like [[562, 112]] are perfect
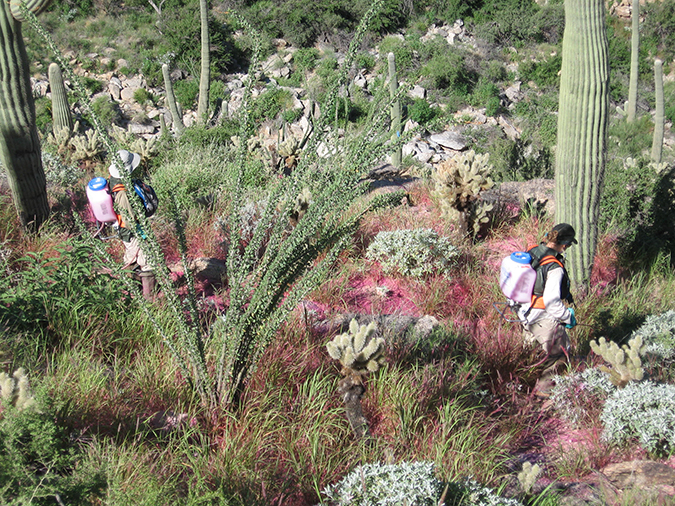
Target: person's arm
[[555, 306]]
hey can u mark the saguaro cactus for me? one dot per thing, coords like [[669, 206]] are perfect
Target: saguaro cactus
[[395, 111], [657, 140], [582, 129], [631, 106], [176, 116], [61, 118], [205, 77], [19, 142]]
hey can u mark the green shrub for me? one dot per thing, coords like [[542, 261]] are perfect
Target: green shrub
[[542, 73], [642, 411], [195, 172], [669, 99], [657, 32], [186, 92], [364, 61], [270, 103], [421, 112], [304, 59], [38, 459], [416, 253], [106, 110], [486, 94], [448, 70], [141, 96], [93, 85]]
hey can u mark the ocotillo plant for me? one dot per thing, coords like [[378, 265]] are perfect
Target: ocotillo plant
[[582, 129], [61, 117], [19, 143], [205, 77], [631, 106], [176, 117], [395, 111], [657, 140]]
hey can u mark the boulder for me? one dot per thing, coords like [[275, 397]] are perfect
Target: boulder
[[449, 139]]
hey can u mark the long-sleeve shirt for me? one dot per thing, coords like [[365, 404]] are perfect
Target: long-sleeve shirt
[[555, 309]]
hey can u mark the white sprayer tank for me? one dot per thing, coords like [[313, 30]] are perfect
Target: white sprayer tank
[[517, 277], [100, 200]]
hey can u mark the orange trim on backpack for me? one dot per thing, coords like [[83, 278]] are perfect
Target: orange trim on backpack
[[537, 301]]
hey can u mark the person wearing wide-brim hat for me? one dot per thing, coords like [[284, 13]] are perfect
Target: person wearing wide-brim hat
[[134, 257], [548, 315]]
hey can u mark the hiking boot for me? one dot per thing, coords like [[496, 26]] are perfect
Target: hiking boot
[[148, 281]]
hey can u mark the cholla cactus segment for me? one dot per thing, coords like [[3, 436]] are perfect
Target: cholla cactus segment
[[644, 412], [359, 349], [625, 361], [527, 477], [460, 180], [16, 390], [412, 483]]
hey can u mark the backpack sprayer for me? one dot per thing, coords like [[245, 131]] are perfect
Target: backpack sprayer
[[516, 280], [101, 203]]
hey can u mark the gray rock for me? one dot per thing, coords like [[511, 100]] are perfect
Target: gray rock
[[449, 139], [417, 92]]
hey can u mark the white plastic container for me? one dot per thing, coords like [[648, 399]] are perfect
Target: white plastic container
[[100, 200], [517, 277]]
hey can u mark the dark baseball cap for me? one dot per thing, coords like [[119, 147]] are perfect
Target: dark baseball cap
[[566, 234]]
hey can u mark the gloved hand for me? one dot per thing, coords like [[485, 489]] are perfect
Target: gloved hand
[[573, 320]]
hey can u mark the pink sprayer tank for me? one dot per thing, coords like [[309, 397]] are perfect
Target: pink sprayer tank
[[517, 277], [100, 200]]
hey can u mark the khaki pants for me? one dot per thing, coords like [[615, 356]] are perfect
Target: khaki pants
[[134, 254], [550, 334]]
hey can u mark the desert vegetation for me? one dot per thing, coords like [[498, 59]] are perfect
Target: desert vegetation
[[325, 332]]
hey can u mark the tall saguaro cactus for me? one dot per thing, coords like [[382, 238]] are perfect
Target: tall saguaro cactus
[[657, 140], [61, 117], [631, 106], [395, 110], [19, 143], [582, 129], [205, 77]]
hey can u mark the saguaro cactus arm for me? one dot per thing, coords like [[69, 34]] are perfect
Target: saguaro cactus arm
[[61, 118], [631, 106], [176, 116], [582, 129], [19, 143]]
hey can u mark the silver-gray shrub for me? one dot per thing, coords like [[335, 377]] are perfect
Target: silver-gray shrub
[[575, 395], [658, 334], [408, 483], [417, 252], [412, 483], [642, 411]]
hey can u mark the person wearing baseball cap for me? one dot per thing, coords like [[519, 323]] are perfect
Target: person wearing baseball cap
[[547, 317]]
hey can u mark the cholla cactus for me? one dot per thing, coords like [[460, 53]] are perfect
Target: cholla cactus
[[87, 146], [15, 389], [358, 350], [302, 203], [625, 361], [527, 477], [459, 182], [290, 151]]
